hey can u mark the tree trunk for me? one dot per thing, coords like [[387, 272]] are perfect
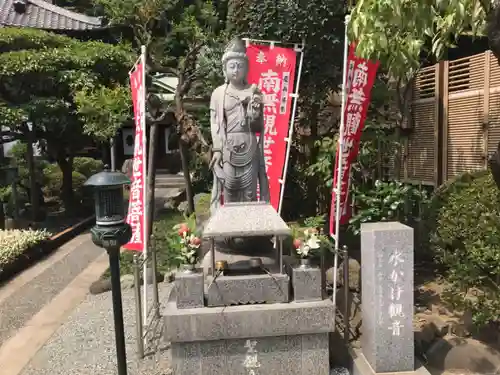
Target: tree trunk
[[66, 165], [151, 173], [183, 150], [30, 160], [312, 181]]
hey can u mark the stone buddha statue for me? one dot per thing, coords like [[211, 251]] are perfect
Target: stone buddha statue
[[236, 115]]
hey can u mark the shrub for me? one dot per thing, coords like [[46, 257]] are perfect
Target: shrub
[[87, 166], [53, 184], [14, 243], [387, 201], [466, 241]]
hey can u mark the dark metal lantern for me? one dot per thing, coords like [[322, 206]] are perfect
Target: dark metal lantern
[[108, 193]]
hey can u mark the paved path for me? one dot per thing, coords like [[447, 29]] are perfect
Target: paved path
[[22, 302], [84, 344], [37, 302]]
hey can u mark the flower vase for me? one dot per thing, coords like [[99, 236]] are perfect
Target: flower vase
[[188, 268], [305, 262]]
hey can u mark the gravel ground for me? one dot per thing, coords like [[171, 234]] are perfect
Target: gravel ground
[[21, 306], [85, 343]]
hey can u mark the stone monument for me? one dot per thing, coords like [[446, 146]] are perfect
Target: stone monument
[[387, 342], [242, 315]]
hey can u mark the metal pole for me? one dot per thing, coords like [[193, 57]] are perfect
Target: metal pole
[[114, 267], [290, 129], [112, 150], [280, 244], [212, 253], [145, 192], [339, 162], [347, 312], [138, 306], [154, 275]]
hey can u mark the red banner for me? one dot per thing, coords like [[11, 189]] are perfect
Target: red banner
[[273, 70], [137, 200], [360, 78]]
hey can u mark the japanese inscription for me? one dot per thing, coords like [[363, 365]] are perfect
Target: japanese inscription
[[395, 309], [251, 362]]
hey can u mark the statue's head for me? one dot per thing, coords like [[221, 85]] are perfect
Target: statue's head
[[235, 61]]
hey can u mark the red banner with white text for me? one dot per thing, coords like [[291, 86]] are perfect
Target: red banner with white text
[[360, 78], [273, 70], [137, 200]]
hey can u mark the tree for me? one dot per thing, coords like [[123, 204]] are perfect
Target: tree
[[397, 33], [65, 89], [319, 24], [179, 37]]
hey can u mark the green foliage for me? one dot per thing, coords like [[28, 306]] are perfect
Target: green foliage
[[466, 241], [42, 73], [14, 244], [165, 239], [18, 159], [166, 256], [47, 79], [54, 181], [87, 166], [387, 201], [104, 105], [396, 32]]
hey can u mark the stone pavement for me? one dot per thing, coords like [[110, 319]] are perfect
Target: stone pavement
[[21, 302], [84, 344], [37, 301]]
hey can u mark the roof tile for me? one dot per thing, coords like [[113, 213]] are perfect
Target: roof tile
[[43, 15]]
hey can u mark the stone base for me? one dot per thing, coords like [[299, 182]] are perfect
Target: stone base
[[279, 339], [290, 355], [360, 366], [306, 283], [189, 289], [244, 289]]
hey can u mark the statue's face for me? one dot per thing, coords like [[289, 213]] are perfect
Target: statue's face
[[236, 70]]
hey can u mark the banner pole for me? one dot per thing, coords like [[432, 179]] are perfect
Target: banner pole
[[290, 129], [144, 194], [339, 162]]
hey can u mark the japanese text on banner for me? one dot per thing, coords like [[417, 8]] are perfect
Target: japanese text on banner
[[273, 70], [360, 78], [137, 200]]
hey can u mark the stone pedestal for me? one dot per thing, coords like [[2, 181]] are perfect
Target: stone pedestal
[[189, 289], [306, 284], [387, 296], [241, 290], [280, 339]]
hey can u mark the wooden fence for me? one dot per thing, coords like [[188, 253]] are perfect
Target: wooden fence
[[455, 119]]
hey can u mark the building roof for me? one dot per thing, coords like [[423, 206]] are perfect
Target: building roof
[[41, 14]]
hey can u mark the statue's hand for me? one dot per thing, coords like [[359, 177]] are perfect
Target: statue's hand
[[216, 158]]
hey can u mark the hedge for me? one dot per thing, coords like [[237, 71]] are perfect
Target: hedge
[[14, 243], [466, 241]]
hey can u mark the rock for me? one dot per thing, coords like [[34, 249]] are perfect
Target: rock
[[453, 353], [182, 207], [459, 329], [424, 335], [169, 205], [127, 281], [354, 275], [100, 286]]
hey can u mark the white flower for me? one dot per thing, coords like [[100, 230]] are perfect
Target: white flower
[[313, 242]]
